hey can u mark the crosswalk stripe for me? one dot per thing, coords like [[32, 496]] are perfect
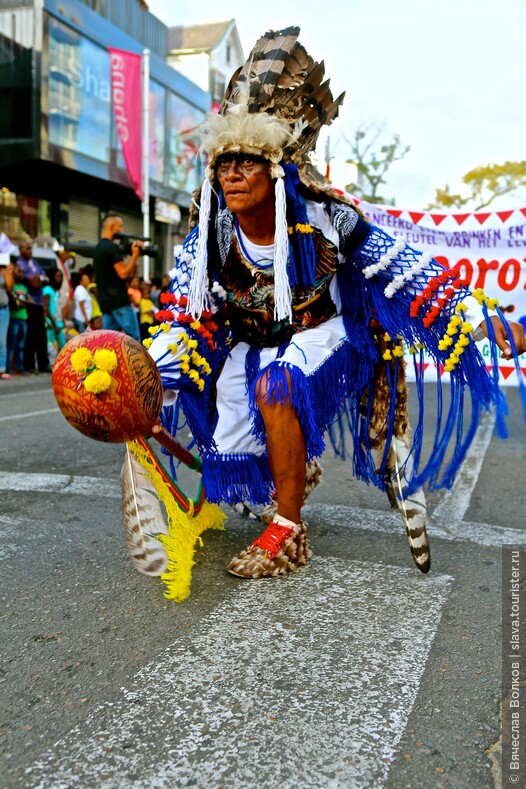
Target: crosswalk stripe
[[300, 681], [28, 414]]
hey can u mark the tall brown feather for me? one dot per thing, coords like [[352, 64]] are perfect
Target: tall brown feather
[[284, 80]]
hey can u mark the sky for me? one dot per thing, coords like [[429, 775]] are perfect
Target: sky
[[448, 77]]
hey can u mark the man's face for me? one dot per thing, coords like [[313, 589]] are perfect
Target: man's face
[[246, 182], [25, 250], [117, 225]]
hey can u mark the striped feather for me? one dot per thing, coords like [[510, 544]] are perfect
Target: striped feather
[[143, 518], [412, 508], [280, 78]]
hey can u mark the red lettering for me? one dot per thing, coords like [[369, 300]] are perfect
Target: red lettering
[[465, 269], [512, 266], [484, 267], [442, 260]]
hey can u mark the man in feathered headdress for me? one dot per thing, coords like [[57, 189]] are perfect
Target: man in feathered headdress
[[288, 316]]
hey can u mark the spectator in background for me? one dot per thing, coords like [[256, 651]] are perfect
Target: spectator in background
[[96, 312], [166, 283], [155, 292], [36, 338], [56, 338], [4, 320], [16, 336], [111, 274], [82, 315], [146, 311], [134, 292], [64, 265]]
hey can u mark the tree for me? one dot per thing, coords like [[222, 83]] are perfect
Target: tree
[[371, 164], [485, 183]]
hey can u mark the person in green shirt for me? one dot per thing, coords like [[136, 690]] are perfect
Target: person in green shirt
[[16, 334]]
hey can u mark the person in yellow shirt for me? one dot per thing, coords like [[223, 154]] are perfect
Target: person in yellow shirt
[[146, 311]]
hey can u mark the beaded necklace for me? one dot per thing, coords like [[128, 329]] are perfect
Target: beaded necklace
[[259, 263]]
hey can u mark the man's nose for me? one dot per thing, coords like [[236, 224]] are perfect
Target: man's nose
[[233, 164]]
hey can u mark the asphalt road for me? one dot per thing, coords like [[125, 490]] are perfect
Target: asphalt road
[[357, 671]]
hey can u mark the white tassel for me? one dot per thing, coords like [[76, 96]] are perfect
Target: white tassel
[[282, 292], [197, 291]]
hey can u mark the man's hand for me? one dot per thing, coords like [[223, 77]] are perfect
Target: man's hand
[[517, 331], [136, 248]]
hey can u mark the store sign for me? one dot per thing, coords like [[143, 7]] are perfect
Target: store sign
[[126, 92], [167, 212]]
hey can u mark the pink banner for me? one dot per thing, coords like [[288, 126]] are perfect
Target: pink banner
[[126, 93]]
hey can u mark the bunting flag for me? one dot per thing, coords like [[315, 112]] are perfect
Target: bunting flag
[[489, 246], [126, 92]]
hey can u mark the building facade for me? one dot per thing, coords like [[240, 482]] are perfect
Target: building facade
[[207, 54], [61, 162]]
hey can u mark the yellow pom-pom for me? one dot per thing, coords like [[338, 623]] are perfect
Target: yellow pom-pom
[[387, 355], [185, 367], [105, 359], [195, 325], [398, 350], [412, 349], [387, 336], [97, 381], [492, 304], [147, 342], [153, 329], [200, 384], [165, 327], [420, 346], [444, 343], [467, 328], [461, 307], [451, 330], [192, 344], [82, 360], [193, 375], [463, 341], [183, 337], [453, 359], [456, 320]]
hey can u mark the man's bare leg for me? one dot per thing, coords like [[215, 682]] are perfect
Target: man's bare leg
[[286, 453]]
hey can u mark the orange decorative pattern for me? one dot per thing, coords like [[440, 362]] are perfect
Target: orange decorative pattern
[[130, 404]]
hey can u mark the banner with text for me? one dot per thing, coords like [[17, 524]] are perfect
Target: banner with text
[[490, 248], [126, 92]]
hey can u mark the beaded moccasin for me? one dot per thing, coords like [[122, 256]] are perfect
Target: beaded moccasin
[[278, 551]]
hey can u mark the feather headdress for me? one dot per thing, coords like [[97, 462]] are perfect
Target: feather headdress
[[275, 104], [274, 107]]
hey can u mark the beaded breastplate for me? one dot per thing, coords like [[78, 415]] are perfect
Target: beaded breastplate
[[250, 296]]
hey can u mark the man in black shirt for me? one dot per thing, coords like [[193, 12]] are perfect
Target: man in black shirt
[[111, 274]]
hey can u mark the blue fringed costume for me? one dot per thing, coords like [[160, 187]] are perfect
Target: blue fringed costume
[[360, 300]]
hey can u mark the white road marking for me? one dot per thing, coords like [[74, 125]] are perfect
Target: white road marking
[[485, 534], [60, 483], [25, 393], [305, 681], [27, 414], [455, 502], [384, 521]]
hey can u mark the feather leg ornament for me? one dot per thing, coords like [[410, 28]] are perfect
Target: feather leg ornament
[[177, 532], [413, 508]]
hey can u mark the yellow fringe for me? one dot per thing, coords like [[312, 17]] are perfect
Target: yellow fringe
[[184, 529]]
